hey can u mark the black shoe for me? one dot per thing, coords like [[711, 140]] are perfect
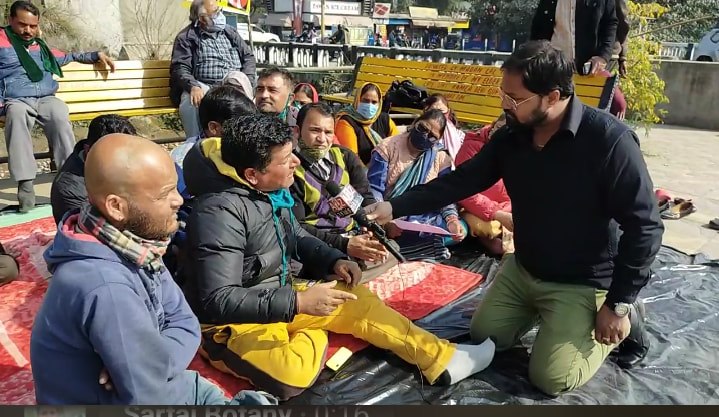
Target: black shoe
[[26, 195], [635, 347]]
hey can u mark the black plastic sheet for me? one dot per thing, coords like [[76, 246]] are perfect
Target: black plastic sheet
[[682, 367]]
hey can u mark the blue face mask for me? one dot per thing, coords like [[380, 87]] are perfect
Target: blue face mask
[[367, 110], [218, 23]]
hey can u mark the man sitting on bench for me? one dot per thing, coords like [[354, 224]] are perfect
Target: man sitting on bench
[[322, 162], [114, 328], [68, 187], [260, 323], [27, 96]]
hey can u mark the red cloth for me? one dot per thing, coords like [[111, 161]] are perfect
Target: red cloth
[[619, 103], [495, 198]]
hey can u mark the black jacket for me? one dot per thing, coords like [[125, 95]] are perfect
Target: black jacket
[[565, 201], [233, 263], [358, 180], [68, 188], [364, 143], [596, 28], [622, 28], [184, 55]]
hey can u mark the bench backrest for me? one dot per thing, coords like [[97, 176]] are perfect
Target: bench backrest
[[135, 88], [472, 90]]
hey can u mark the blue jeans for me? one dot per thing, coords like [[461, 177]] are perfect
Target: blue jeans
[[207, 393]]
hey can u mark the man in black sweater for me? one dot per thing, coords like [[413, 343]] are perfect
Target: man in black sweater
[[573, 173]]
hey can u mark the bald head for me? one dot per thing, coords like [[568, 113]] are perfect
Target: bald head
[[131, 179], [117, 161]]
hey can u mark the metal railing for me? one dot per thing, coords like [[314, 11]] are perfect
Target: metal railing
[[326, 56], [305, 55]]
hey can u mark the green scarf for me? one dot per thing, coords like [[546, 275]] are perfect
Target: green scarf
[[34, 73]]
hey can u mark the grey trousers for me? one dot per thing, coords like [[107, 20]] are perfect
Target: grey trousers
[[20, 116], [190, 115]]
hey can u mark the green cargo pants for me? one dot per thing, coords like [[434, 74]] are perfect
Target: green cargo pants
[[564, 355]]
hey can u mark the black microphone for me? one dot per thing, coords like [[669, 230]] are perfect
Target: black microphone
[[360, 217]]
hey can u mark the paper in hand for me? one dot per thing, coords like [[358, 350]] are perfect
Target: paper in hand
[[423, 228]]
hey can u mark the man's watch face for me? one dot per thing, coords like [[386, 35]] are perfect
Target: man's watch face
[[621, 309]]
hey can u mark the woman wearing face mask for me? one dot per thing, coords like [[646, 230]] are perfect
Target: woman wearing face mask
[[362, 126], [453, 137], [409, 159]]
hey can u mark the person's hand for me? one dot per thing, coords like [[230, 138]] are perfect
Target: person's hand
[[505, 219], [454, 227], [104, 380], [393, 231], [105, 60], [366, 248], [380, 212], [598, 64], [322, 299], [610, 329], [348, 271], [196, 95], [623, 68]]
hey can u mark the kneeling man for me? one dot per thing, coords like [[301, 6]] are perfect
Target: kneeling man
[[260, 323], [114, 328]]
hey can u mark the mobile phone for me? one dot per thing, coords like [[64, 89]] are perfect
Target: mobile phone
[[587, 68], [339, 358]]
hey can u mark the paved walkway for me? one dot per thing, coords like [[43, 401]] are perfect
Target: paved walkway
[[681, 161]]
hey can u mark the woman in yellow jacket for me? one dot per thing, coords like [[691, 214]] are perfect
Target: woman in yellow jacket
[[362, 126]]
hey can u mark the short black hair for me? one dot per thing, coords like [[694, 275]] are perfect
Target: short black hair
[[106, 124], [247, 141], [272, 71], [321, 108], [24, 5], [543, 68], [224, 102]]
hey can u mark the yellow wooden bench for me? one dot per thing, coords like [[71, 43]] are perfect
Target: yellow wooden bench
[[136, 88], [472, 90]]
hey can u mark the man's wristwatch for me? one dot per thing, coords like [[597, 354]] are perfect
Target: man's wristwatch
[[620, 309]]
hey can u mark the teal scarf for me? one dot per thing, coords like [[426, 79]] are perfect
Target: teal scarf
[[416, 174], [281, 199]]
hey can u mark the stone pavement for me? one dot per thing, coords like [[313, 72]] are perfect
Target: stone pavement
[[685, 163], [682, 161]]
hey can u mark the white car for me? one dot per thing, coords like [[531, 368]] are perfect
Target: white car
[[258, 35], [708, 48]]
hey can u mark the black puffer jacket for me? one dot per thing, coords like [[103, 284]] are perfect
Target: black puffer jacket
[[68, 187], [234, 261]]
